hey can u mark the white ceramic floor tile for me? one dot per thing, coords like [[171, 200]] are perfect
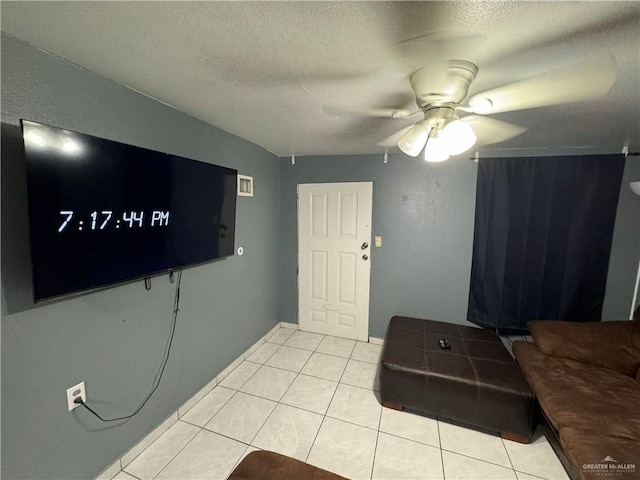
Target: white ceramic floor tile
[[361, 374], [344, 448], [109, 472], [413, 427], [325, 366], [289, 431], [263, 353], [151, 437], [240, 375], [304, 340], [188, 405], [355, 405], [150, 462], [242, 417], [207, 456], [249, 351], [281, 336], [473, 444], [398, 459], [526, 476], [366, 352], [246, 452], [229, 368], [269, 382], [206, 408], [289, 358], [123, 476], [536, 458], [310, 393], [459, 467], [341, 347]]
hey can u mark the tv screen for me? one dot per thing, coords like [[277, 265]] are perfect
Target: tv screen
[[102, 212]]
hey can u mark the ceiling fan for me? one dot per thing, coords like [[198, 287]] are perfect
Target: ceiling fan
[[440, 98]]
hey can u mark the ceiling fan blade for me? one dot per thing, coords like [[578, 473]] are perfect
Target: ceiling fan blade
[[580, 81], [371, 112], [392, 140], [436, 48], [489, 130]]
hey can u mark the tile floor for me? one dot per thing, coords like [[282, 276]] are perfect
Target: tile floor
[[314, 397]]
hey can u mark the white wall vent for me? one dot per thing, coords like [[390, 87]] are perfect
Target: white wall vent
[[245, 186]]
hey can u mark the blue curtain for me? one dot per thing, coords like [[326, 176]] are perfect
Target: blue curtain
[[542, 239]]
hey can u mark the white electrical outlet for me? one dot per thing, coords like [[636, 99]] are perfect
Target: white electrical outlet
[[74, 392]]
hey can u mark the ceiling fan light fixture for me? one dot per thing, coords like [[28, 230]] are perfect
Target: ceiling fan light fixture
[[413, 141], [458, 137], [436, 150]]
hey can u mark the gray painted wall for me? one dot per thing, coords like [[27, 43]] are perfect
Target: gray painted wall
[[114, 339], [625, 248], [425, 214]]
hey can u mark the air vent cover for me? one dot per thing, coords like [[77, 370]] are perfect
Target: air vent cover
[[245, 186]]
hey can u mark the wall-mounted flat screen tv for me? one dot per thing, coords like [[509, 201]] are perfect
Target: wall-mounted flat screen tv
[[102, 212]]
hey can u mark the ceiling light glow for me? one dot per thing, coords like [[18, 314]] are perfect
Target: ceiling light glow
[[458, 137], [436, 150], [440, 137]]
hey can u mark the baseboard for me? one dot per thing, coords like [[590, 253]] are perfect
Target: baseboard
[[294, 326], [152, 436], [186, 406], [131, 454], [111, 471]]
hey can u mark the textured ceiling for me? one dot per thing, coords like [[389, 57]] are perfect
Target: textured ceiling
[[267, 71]]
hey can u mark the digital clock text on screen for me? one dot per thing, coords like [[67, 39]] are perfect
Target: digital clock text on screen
[[108, 219]]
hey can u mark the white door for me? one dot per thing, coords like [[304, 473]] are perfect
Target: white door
[[334, 264]]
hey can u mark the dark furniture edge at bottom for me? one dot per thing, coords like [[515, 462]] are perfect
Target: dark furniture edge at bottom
[[268, 465], [514, 437], [554, 440]]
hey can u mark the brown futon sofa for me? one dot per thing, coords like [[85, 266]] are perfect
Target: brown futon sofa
[[586, 377], [266, 465]]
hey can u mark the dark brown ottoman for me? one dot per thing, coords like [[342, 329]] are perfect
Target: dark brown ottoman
[[265, 465], [477, 382]]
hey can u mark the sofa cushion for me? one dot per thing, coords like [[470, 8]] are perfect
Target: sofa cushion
[[594, 454], [614, 345], [574, 394], [266, 465]]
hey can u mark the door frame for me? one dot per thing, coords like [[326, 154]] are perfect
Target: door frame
[[368, 321]]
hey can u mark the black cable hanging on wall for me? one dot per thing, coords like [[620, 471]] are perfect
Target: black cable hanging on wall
[[176, 308]]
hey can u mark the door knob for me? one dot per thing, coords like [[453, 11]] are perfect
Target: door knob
[[365, 257], [364, 246]]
